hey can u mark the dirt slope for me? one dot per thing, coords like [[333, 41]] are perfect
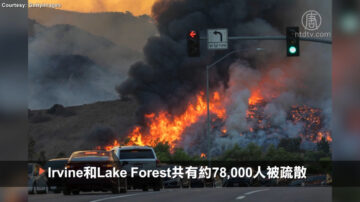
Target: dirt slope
[[69, 129]]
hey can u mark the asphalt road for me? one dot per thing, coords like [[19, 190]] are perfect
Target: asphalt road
[[241, 194]]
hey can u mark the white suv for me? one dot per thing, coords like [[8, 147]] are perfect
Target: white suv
[[142, 157]]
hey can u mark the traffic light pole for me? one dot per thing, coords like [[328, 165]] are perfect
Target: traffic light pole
[[326, 41]]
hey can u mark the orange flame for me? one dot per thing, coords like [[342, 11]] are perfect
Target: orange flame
[[203, 155], [164, 127], [312, 122], [109, 147], [255, 97], [321, 135]]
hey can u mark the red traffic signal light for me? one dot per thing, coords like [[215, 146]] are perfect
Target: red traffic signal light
[[192, 34], [193, 44]]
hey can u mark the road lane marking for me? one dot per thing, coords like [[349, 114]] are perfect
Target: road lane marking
[[249, 193], [253, 192], [240, 197], [122, 196]]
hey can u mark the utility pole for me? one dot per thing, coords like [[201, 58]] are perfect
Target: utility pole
[[208, 113], [208, 67]]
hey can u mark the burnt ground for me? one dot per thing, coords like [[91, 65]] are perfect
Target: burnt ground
[[67, 129]]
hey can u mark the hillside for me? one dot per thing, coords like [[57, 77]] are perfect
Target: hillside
[[64, 130], [124, 29]]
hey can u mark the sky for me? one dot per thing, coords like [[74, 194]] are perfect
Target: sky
[[136, 7]]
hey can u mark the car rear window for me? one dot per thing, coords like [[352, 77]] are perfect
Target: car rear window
[[137, 154], [91, 156]]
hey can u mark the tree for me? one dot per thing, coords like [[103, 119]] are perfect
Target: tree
[[251, 152], [162, 151], [232, 154], [180, 155], [323, 146], [280, 154], [290, 144]]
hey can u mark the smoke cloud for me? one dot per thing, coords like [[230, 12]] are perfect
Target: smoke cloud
[[122, 28], [99, 135], [69, 66], [167, 79], [79, 58]]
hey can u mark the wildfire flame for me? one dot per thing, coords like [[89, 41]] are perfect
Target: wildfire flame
[[311, 117], [109, 147], [255, 97], [164, 127], [326, 135], [202, 155], [167, 128]]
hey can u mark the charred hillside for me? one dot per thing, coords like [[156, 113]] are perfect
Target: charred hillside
[[62, 130]]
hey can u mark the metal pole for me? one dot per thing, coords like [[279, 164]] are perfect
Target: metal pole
[[257, 37], [208, 114], [326, 41], [317, 40], [222, 58], [208, 67]]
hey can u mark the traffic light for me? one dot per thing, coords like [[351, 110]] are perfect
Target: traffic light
[[193, 44], [292, 41]]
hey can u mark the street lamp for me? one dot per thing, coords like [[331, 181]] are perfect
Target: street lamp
[[208, 67]]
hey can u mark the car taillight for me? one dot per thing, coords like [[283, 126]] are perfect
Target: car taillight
[[109, 165], [157, 162]]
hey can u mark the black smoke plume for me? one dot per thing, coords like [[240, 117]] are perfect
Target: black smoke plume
[[167, 77]]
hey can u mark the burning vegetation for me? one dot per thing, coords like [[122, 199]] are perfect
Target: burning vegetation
[[312, 119], [247, 108], [163, 127]]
